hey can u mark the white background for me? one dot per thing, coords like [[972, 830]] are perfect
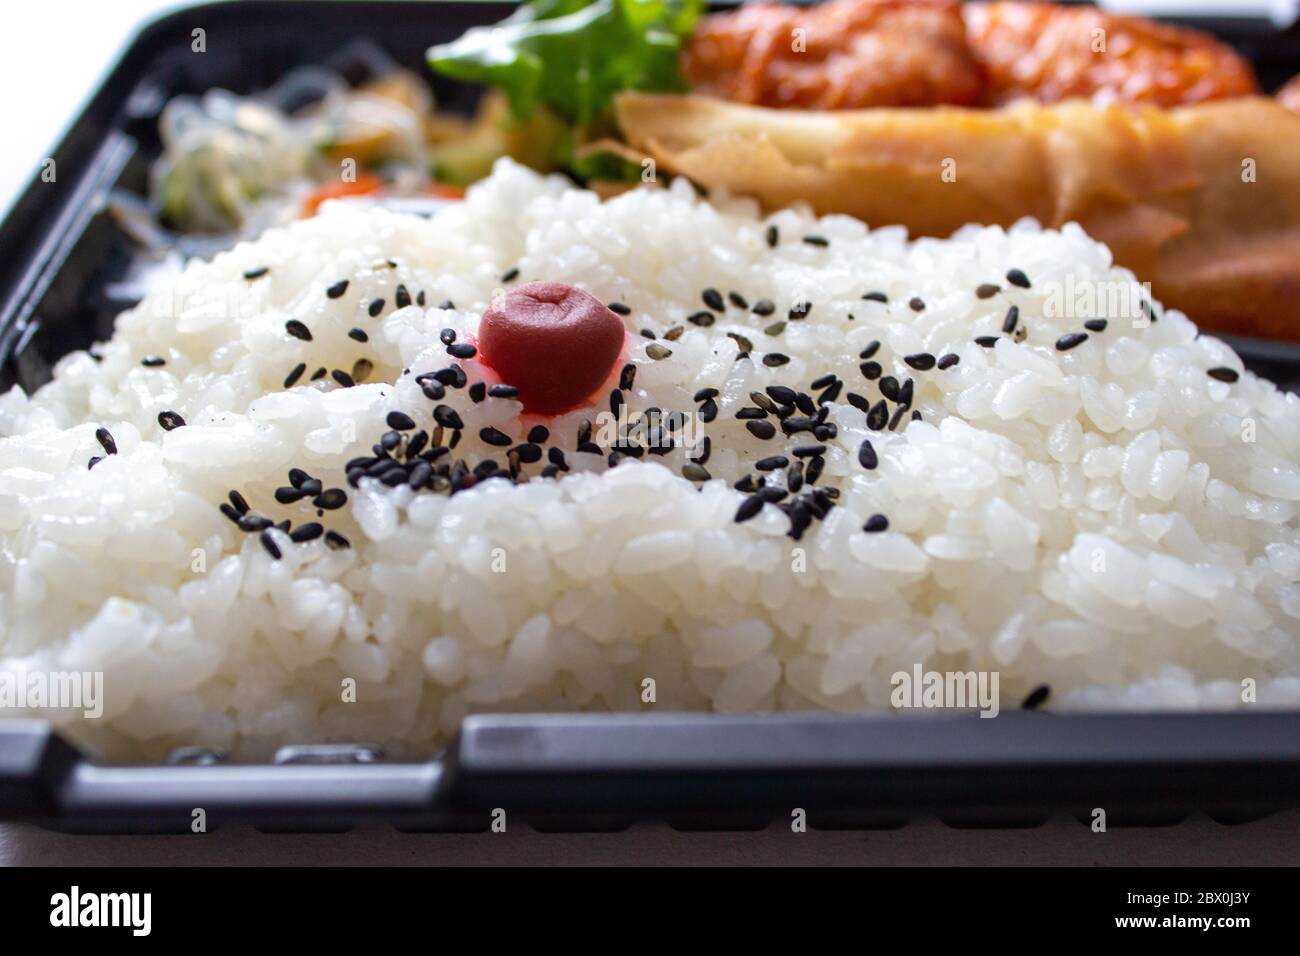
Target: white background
[[53, 54]]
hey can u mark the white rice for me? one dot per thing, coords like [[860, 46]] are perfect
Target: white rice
[[1090, 519]]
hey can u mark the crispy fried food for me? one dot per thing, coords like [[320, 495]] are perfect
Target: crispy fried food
[[1165, 189], [839, 55], [1049, 52], [848, 54]]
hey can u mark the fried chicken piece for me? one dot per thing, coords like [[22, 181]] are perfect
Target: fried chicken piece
[[838, 55], [1049, 52], [849, 54]]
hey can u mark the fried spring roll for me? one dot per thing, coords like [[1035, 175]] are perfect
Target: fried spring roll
[[1202, 201]]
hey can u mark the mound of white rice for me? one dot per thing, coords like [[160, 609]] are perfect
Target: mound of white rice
[[1109, 520]]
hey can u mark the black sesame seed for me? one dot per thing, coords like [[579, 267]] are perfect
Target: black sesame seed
[[921, 361], [400, 421], [510, 275], [1037, 697], [820, 241], [478, 392], [447, 336], [358, 335], [916, 304], [420, 475], [986, 341], [748, 508], [1012, 319], [772, 463], [298, 330], [782, 393], [618, 308], [805, 404], [761, 429], [337, 289], [775, 359], [287, 494], [867, 455], [153, 361], [538, 434], [272, 548], [401, 297], [875, 297], [831, 393], [343, 378], [361, 369], [905, 394], [750, 413], [657, 352], [693, 472], [889, 388], [1070, 340], [528, 452], [336, 541], [771, 494], [1095, 325], [708, 410], [419, 298], [292, 378], [773, 236], [1018, 278], [238, 502], [878, 417], [170, 420], [106, 441], [306, 532], [319, 374], [615, 401], [859, 402], [876, 523], [948, 361], [376, 306], [493, 436], [897, 417], [462, 350], [256, 273], [447, 305], [1223, 374], [675, 333], [870, 370], [738, 300], [764, 307], [434, 391], [776, 328], [822, 381], [713, 299], [502, 391], [448, 417], [702, 319], [253, 523], [331, 499], [799, 311]]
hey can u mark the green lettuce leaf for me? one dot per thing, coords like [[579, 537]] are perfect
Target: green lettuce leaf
[[573, 56]]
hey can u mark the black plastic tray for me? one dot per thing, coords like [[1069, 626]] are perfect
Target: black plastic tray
[[62, 259]]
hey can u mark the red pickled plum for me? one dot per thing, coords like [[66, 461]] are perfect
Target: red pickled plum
[[554, 343]]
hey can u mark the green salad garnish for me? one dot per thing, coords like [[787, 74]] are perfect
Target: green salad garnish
[[570, 57]]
